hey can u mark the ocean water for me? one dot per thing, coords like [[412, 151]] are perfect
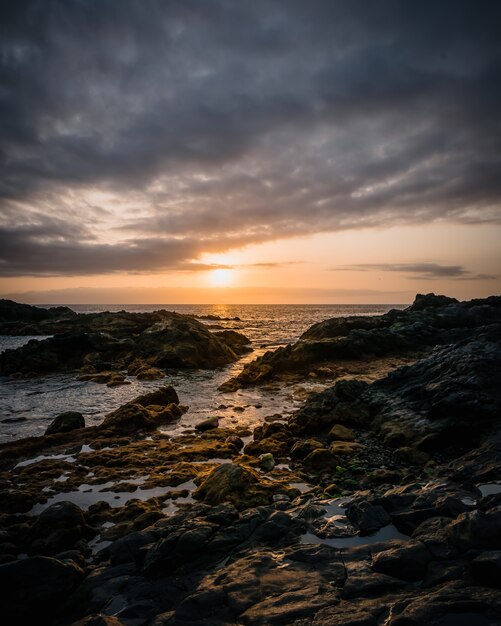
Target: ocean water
[[35, 403]]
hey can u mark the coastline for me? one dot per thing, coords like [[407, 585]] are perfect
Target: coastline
[[377, 498]]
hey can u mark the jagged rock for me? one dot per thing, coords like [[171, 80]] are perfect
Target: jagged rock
[[432, 320], [65, 422], [159, 340]]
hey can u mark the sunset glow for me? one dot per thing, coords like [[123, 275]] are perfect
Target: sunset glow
[[221, 277], [334, 171]]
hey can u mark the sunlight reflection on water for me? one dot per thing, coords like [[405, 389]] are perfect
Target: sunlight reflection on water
[[38, 401]]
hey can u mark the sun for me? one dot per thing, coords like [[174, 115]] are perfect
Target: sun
[[221, 277]]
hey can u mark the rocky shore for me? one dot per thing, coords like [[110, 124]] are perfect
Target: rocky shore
[[377, 503], [102, 346]]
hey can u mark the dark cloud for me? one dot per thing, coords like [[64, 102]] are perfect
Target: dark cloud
[[209, 125], [421, 271]]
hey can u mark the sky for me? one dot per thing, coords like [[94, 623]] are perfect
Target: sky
[[213, 151]]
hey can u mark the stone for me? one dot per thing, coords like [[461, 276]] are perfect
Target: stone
[[266, 462], [367, 517], [58, 528], [347, 448], [303, 447], [208, 424], [476, 529], [320, 460], [35, 587], [66, 422], [341, 433], [232, 483], [406, 562], [487, 568]]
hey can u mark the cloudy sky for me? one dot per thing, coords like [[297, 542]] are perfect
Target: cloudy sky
[[220, 150]]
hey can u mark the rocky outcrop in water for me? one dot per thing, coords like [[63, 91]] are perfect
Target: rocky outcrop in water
[[432, 320], [24, 319], [145, 344]]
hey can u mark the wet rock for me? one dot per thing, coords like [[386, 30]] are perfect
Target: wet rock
[[320, 460], [111, 379], [131, 547], [208, 424], [32, 589], [476, 529], [178, 549], [433, 534], [411, 455], [407, 562], [232, 483], [432, 320], [145, 412], [58, 528], [341, 433], [65, 422], [348, 448], [160, 339], [303, 447], [236, 441], [367, 517], [257, 589], [130, 418], [450, 604], [266, 462]]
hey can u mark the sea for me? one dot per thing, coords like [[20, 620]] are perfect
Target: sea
[[28, 406]]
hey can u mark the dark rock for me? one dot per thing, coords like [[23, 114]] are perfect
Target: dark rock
[[158, 340], [98, 620], [131, 547], [430, 300], [65, 422], [303, 447], [476, 529], [487, 568], [341, 433], [32, 589], [432, 320], [178, 549], [320, 460], [407, 562], [132, 417], [367, 517], [208, 424], [58, 528]]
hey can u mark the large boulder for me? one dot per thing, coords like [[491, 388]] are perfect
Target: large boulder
[[232, 483], [58, 528]]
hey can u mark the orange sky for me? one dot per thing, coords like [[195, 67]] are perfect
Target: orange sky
[[312, 269]]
